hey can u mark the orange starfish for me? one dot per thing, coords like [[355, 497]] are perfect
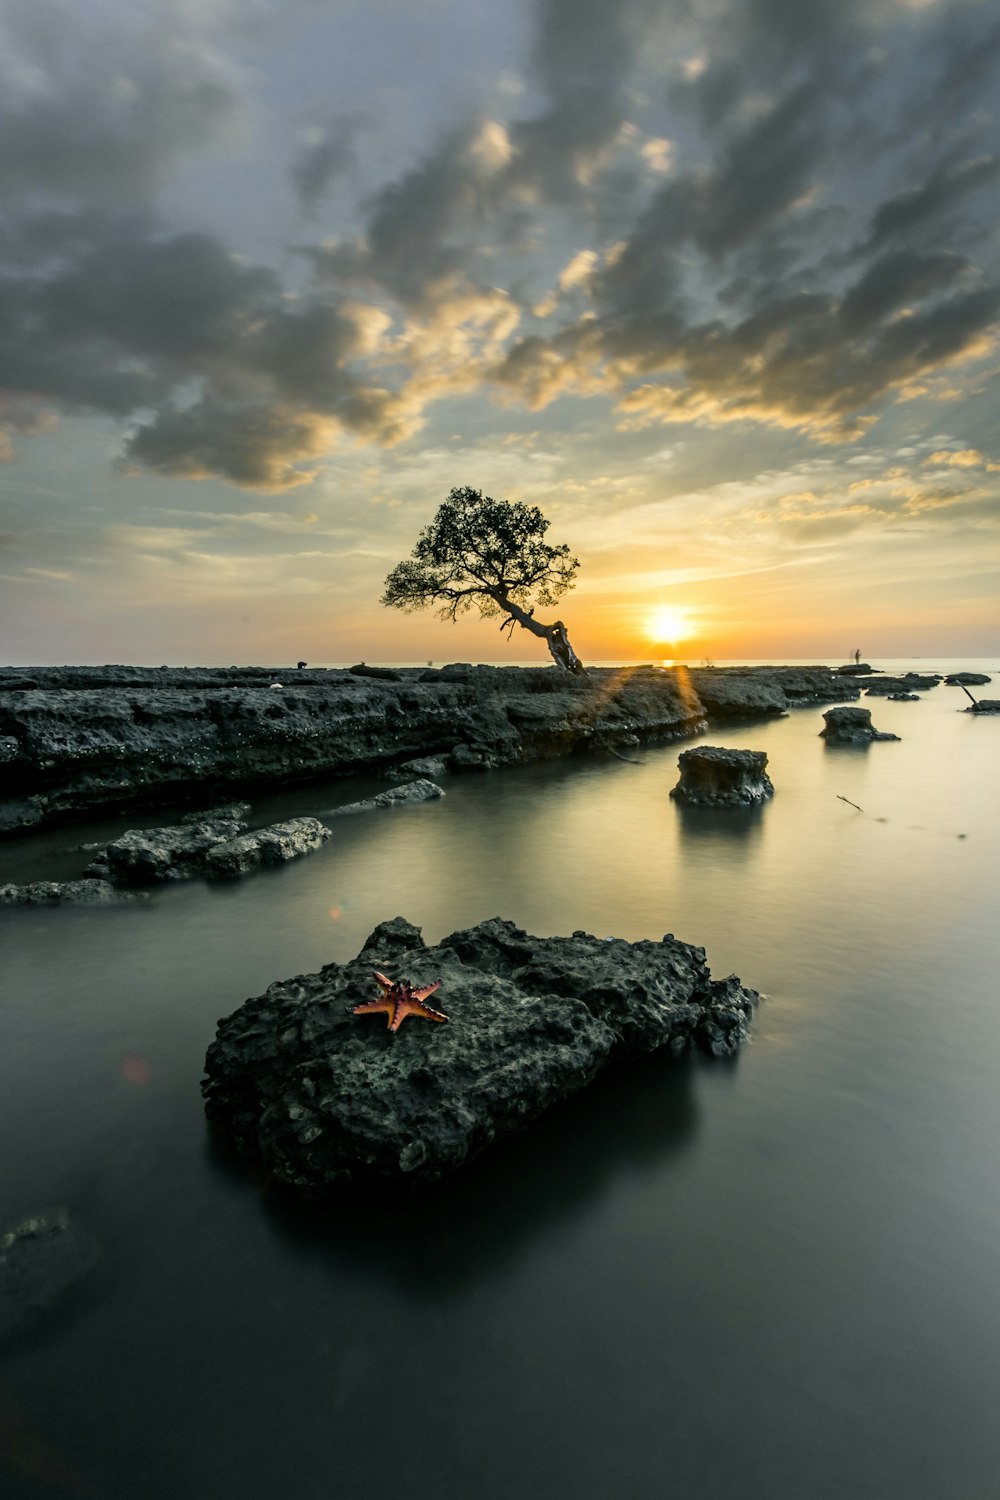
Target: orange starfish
[[399, 999]]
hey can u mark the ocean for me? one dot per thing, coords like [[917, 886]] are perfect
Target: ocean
[[773, 1277]]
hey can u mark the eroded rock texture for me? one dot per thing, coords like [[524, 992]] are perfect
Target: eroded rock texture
[[721, 778], [851, 726], [325, 1098]]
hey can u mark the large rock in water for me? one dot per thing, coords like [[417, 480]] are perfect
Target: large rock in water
[[326, 1098], [851, 726], [717, 777]]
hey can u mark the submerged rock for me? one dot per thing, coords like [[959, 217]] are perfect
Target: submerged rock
[[206, 846], [851, 726], [718, 777], [88, 892], [397, 796], [326, 1098], [903, 697], [41, 1260]]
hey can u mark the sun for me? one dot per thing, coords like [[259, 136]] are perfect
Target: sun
[[668, 626]]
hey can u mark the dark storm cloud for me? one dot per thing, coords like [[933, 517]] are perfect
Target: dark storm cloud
[[323, 160], [124, 321], [97, 106], [916, 211]]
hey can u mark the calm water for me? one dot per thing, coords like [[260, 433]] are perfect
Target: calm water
[[773, 1278]]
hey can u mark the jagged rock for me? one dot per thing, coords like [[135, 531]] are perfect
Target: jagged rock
[[41, 1260], [966, 679], [143, 856], [718, 777], [326, 1098], [206, 846], [18, 814], [265, 846], [65, 893], [851, 726], [426, 766], [397, 796]]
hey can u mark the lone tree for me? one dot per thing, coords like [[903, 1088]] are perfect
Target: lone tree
[[489, 555]]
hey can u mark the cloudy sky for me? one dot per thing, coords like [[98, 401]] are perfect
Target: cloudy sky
[[713, 282]]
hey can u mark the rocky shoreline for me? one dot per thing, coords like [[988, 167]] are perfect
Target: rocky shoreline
[[80, 740]]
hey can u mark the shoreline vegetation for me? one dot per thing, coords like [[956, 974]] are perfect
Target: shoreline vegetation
[[75, 741]]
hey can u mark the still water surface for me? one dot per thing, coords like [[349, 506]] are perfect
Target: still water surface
[[778, 1277]]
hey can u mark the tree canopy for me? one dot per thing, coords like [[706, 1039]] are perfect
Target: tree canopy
[[490, 555]]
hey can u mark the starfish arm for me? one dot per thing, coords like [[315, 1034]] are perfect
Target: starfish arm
[[374, 1007], [384, 981], [415, 1007], [425, 990]]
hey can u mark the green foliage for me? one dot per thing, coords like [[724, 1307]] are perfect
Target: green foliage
[[484, 554]]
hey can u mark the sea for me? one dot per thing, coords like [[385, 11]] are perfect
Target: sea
[[775, 1277]]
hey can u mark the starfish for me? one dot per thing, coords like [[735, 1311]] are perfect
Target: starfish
[[399, 999]]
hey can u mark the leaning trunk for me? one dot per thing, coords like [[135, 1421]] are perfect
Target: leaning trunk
[[554, 636]]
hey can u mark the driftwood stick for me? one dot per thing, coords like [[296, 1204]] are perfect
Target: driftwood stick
[[849, 802], [965, 690]]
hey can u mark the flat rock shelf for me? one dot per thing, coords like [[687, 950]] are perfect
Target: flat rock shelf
[[327, 1099]]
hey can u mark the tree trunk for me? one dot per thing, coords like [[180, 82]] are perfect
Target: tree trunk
[[554, 636]]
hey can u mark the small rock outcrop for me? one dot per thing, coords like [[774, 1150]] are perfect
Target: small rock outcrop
[[910, 682], [92, 892], [42, 1259], [851, 726], [327, 1099], [985, 706], [397, 796], [903, 697], [722, 778], [203, 846], [967, 679]]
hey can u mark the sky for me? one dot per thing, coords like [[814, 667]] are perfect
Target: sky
[[714, 283]]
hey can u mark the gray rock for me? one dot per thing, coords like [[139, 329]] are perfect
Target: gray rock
[[984, 706], [851, 726], [91, 892], [265, 846], [145, 856], [41, 1260], [966, 679], [425, 767], [326, 1098], [397, 796], [91, 738], [204, 845], [716, 777], [910, 682], [903, 697]]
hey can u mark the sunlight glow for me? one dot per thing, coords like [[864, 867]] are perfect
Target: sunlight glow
[[668, 626]]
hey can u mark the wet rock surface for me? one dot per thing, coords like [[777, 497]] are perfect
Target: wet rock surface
[[851, 726], [397, 796], [77, 739], [967, 679], [893, 687], [714, 777], [326, 1099], [206, 845], [42, 1259], [87, 892]]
